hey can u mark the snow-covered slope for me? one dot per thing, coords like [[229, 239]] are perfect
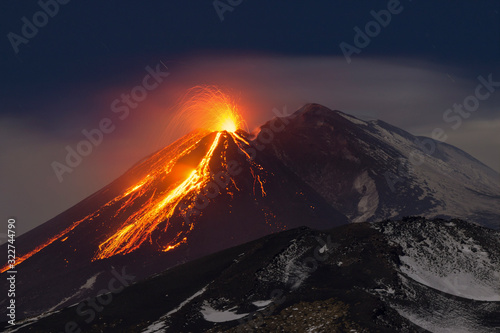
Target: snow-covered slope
[[370, 170], [455, 258], [450, 259]]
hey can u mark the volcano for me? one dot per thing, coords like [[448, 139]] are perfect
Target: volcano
[[214, 189]]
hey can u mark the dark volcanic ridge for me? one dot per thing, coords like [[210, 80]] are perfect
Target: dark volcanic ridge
[[414, 275]]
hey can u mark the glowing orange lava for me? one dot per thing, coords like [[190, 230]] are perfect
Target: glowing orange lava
[[51, 240], [139, 226], [142, 207], [203, 107]]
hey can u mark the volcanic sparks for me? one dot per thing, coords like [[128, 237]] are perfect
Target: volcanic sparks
[[209, 108]]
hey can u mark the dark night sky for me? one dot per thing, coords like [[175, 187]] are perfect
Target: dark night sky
[[102, 40], [269, 53]]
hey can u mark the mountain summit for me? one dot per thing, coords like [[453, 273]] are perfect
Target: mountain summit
[[370, 170]]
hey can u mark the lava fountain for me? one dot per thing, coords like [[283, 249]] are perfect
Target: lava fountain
[[209, 108]]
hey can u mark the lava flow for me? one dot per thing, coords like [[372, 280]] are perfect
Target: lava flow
[[217, 113], [148, 205]]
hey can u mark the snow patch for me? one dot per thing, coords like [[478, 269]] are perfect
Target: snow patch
[[189, 299], [459, 325], [90, 282], [287, 266], [368, 204], [87, 285], [160, 326], [462, 284], [156, 327], [216, 316], [261, 304], [353, 119]]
